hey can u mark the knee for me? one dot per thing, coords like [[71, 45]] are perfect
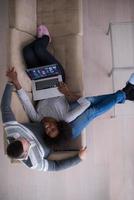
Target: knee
[[41, 43], [29, 57], [26, 51]]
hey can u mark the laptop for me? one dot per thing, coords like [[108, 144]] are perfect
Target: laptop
[[45, 81]]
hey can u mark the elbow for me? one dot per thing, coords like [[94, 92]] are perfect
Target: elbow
[[68, 118]]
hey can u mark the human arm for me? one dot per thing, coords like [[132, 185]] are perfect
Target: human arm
[[70, 96], [57, 165], [7, 114], [24, 98], [28, 106], [83, 103], [76, 112]]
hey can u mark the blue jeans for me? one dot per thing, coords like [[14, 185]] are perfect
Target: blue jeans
[[99, 105]]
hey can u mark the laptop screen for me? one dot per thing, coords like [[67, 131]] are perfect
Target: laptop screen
[[43, 72]]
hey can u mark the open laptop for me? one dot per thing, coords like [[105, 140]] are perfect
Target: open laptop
[[45, 81]]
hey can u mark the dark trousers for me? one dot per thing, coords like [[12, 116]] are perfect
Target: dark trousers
[[36, 54]]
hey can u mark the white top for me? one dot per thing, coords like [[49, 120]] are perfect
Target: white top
[[56, 107]]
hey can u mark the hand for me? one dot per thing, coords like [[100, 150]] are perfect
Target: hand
[[12, 75], [82, 153], [63, 88]]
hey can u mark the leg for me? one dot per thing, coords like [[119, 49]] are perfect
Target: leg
[[42, 42], [95, 110], [43, 55], [94, 100], [30, 57], [97, 99], [128, 90]]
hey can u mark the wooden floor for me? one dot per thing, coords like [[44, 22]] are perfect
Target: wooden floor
[[111, 141], [108, 171]]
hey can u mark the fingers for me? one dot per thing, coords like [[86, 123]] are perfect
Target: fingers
[[61, 84], [11, 69], [83, 148], [82, 153]]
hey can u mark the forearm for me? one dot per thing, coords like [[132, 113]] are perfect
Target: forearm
[[17, 84], [26, 102], [63, 164], [27, 105], [7, 114], [73, 114], [71, 96]]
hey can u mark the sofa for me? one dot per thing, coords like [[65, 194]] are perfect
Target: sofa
[[64, 21]]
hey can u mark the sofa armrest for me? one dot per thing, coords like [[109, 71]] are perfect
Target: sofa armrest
[[22, 15]]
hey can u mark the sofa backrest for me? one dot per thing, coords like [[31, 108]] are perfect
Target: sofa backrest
[[23, 15]]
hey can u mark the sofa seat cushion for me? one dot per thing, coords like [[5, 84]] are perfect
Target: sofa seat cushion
[[18, 40], [68, 50], [18, 109]]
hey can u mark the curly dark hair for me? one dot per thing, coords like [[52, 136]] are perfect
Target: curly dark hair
[[65, 133], [15, 149]]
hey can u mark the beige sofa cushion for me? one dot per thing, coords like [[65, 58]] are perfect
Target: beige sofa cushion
[[62, 17], [22, 15], [18, 109], [68, 50], [19, 39]]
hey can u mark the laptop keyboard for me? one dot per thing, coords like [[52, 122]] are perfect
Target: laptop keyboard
[[45, 84]]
